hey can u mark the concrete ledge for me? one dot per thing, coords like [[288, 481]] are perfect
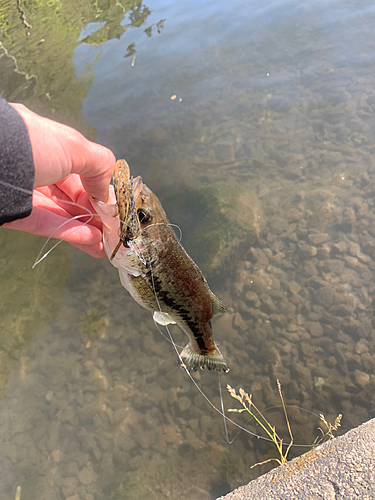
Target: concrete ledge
[[342, 468]]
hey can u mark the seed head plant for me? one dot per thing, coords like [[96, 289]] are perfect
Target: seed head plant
[[248, 406]]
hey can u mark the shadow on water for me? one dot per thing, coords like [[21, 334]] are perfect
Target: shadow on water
[[254, 125]]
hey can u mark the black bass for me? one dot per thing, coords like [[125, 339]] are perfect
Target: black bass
[[156, 270]]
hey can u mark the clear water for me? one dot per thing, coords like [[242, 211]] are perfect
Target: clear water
[[265, 159]]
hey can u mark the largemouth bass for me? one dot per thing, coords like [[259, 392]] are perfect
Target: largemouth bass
[[156, 270]]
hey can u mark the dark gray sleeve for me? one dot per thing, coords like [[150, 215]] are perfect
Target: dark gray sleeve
[[16, 166]]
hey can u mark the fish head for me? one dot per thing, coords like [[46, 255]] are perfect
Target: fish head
[[147, 204], [134, 223], [109, 216], [148, 246]]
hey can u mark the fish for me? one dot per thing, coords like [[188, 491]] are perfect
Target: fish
[[155, 268]]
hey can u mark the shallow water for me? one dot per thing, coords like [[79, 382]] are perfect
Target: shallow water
[[265, 160]]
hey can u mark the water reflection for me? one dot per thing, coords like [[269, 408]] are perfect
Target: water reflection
[[42, 37], [273, 100]]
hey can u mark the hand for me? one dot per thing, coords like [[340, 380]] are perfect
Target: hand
[[68, 169]]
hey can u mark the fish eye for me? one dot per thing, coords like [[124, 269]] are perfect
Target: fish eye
[[144, 215]]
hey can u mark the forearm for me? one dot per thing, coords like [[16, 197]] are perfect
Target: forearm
[[16, 166]]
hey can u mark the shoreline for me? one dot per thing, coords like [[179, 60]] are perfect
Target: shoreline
[[342, 468]]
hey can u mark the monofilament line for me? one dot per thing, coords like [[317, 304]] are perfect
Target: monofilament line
[[89, 214], [220, 412]]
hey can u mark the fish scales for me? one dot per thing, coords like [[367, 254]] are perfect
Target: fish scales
[[156, 270]]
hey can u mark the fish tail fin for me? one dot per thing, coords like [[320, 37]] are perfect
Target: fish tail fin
[[192, 360]]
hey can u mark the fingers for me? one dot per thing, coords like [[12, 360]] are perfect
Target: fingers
[[43, 222], [68, 170], [96, 175], [59, 150], [96, 251], [70, 195]]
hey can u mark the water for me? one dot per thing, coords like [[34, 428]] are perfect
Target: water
[[265, 159]]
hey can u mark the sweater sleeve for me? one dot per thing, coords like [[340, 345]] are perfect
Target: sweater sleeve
[[16, 166]]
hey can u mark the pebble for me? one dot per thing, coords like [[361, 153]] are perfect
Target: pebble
[[323, 252], [307, 350], [331, 361], [70, 469], [318, 239], [278, 319], [252, 298], [87, 474], [314, 328], [361, 347], [294, 287], [368, 362], [293, 337], [308, 250], [183, 403], [351, 261], [319, 382], [268, 305], [49, 396], [361, 378], [70, 486], [335, 266], [239, 323], [366, 259], [259, 257], [327, 296], [354, 249], [341, 246]]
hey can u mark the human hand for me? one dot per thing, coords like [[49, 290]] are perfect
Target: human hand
[[68, 169]]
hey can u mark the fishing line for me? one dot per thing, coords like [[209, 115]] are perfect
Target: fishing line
[[39, 259], [17, 188], [194, 382], [166, 338], [170, 339], [292, 406], [89, 214], [223, 413], [225, 418], [179, 229], [164, 224], [220, 412]]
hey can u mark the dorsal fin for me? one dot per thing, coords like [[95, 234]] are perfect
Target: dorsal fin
[[217, 306]]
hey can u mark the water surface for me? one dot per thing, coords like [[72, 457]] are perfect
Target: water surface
[[254, 124]]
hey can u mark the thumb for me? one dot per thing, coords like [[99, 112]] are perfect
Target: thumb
[[97, 170]]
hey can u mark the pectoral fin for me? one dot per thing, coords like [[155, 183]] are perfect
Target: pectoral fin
[[163, 318]]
